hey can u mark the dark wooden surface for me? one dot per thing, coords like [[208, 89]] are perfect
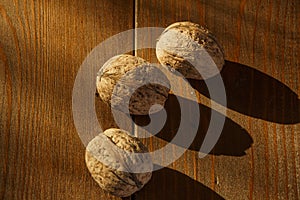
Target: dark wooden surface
[[43, 44]]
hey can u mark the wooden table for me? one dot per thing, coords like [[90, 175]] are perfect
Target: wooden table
[[43, 44]]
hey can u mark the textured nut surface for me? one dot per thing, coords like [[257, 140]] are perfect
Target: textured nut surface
[[112, 168], [120, 82], [186, 45]]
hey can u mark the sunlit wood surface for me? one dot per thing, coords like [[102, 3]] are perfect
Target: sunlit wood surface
[[43, 44]]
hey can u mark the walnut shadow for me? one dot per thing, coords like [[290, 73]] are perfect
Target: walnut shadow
[[255, 94], [168, 184], [233, 141]]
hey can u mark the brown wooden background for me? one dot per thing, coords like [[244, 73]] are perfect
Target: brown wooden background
[[43, 44]]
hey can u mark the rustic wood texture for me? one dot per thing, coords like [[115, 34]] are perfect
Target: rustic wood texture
[[43, 44]]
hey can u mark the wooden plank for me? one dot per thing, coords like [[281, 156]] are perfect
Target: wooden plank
[[42, 45], [261, 43]]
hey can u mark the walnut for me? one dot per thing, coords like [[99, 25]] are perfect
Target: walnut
[[112, 166], [126, 79], [186, 45]]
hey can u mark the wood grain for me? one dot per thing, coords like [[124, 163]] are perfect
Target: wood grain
[[43, 44], [261, 78]]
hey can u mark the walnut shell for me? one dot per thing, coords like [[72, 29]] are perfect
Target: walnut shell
[[186, 45], [112, 168], [122, 79]]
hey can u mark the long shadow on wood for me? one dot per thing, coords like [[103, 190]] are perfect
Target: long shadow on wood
[[234, 140], [168, 184], [256, 94]]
